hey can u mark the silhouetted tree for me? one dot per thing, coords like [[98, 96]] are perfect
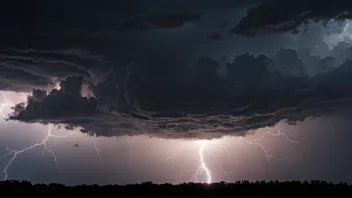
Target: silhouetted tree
[[12, 188]]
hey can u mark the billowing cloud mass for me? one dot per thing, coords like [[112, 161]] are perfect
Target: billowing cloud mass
[[105, 76], [254, 94], [277, 16]]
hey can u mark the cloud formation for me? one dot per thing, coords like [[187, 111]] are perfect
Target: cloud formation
[[23, 70], [200, 104], [89, 72], [275, 16]]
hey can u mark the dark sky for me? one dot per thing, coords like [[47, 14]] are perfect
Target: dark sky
[[136, 81]]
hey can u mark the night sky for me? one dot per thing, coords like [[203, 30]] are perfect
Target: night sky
[[175, 91]]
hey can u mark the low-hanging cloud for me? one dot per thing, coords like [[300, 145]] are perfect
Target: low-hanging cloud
[[201, 104]]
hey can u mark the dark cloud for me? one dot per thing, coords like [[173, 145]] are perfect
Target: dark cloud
[[287, 60], [159, 21], [194, 102], [23, 70], [65, 102], [276, 16], [215, 36], [21, 80], [93, 21], [164, 82], [342, 52], [325, 64], [40, 46], [218, 34]]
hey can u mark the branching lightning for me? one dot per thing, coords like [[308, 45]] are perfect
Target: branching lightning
[[43, 143], [204, 168], [277, 134], [345, 34], [202, 150], [268, 155], [12, 154], [96, 147]]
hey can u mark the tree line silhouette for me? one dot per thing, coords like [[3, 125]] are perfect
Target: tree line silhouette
[[13, 188]]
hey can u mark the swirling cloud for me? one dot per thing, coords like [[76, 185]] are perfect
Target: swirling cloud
[[254, 94]]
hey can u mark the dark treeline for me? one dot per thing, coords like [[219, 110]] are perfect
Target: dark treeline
[[148, 189]]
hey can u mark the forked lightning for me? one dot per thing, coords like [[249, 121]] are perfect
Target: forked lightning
[[15, 153], [204, 169]]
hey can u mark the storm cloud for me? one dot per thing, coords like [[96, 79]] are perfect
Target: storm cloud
[[104, 75], [275, 16], [197, 103], [23, 70]]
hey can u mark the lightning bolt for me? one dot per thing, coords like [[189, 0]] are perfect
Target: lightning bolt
[[12, 155], [345, 33], [96, 147], [268, 155], [203, 168], [4, 104], [43, 143], [278, 134], [172, 158]]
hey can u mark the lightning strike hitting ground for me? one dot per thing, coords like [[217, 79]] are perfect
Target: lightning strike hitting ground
[[15, 153], [204, 169]]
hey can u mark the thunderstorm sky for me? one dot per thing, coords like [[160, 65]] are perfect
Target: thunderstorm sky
[[175, 91], [141, 158]]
